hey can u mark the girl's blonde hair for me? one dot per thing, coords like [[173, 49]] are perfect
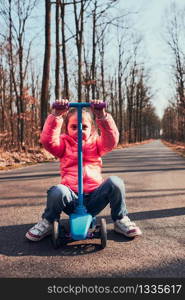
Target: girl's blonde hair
[[72, 111]]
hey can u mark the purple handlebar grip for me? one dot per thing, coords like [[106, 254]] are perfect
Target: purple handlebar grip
[[59, 106], [100, 105]]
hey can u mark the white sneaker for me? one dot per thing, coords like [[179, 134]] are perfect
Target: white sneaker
[[39, 231], [126, 227]]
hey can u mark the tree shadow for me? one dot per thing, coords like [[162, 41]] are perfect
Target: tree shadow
[[159, 213], [152, 214], [154, 190], [142, 170], [148, 214], [142, 160], [30, 177], [22, 204]]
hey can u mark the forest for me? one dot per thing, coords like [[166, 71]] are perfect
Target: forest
[[87, 50]]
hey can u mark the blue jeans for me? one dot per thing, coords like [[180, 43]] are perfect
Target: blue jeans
[[62, 199]]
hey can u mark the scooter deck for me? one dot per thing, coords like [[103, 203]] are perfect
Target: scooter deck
[[79, 225]]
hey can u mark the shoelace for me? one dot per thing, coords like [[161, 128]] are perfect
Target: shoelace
[[127, 222], [40, 226]]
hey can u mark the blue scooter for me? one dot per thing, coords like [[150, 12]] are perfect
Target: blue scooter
[[82, 224]]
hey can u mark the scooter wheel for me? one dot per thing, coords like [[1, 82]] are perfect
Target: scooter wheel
[[103, 233], [55, 234]]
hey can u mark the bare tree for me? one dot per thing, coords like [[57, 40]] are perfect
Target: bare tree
[[46, 67], [122, 66], [94, 44], [174, 37], [79, 26], [64, 55], [18, 58], [57, 46]]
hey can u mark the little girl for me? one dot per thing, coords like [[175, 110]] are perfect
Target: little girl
[[97, 192]]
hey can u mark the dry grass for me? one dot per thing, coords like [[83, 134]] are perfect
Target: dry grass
[[177, 147], [134, 144], [14, 159]]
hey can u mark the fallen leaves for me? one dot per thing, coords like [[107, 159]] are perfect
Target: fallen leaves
[[178, 147], [14, 159]]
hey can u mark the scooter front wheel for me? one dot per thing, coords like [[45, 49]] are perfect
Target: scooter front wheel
[[103, 233]]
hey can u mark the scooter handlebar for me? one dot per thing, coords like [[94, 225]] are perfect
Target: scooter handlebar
[[60, 106], [99, 106]]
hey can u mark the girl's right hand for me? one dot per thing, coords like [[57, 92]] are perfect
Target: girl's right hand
[[60, 111]]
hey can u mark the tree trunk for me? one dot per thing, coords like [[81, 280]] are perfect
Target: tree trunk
[[21, 86], [93, 63], [79, 23], [120, 98], [57, 45], [64, 56], [102, 53], [46, 67]]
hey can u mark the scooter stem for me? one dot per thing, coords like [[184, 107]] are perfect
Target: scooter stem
[[80, 208]]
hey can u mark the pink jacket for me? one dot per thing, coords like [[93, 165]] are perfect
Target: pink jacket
[[66, 149]]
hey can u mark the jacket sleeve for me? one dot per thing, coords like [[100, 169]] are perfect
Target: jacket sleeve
[[109, 137], [51, 137]]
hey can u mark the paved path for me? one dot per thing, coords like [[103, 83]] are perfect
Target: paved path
[[155, 187]]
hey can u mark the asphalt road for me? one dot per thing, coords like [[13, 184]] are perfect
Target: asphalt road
[[155, 188]]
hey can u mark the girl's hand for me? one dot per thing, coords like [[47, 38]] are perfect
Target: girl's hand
[[60, 111], [99, 113]]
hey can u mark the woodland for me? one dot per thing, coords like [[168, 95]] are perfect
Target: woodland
[[82, 50]]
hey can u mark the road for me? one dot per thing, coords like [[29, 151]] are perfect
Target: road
[[155, 195]]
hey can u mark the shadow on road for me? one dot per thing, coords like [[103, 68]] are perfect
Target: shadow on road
[[29, 201], [160, 213], [30, 177], [110, 170], [142, 170], [22, 204], [13, 243], [153, 214]]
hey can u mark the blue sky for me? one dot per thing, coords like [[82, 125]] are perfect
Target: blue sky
[[150, 22]]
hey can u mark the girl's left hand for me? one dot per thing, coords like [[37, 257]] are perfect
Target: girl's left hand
[[99, 113]]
